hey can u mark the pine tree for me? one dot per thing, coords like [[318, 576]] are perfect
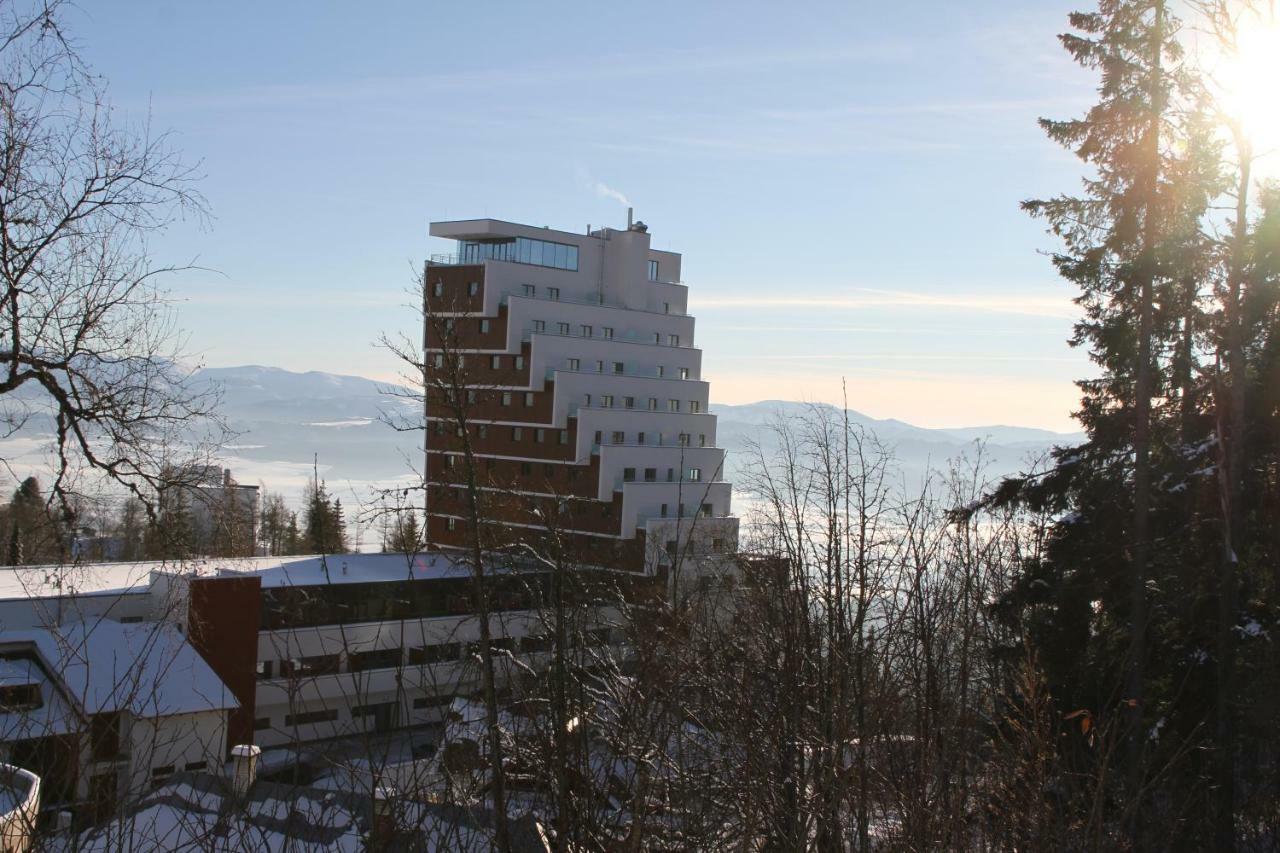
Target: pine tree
[[1132, 246]]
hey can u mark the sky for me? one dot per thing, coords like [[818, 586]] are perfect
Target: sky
[[842, 179]]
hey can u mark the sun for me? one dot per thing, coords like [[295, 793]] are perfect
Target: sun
[[1248, 82]]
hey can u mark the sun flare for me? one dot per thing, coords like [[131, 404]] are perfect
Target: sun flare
[[1249, 82]]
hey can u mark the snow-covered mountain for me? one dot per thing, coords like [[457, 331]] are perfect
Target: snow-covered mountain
[[290, 424]]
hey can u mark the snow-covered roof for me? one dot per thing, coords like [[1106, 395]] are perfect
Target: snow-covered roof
[[27, 582], [147, 668]]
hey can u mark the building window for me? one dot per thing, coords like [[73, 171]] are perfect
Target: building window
[[528, 398], [519, 362], [606, 332], [662, 371], [586, 400], [671, 475], [684, 373], [482, 430], [695, 475], [422, 703], [628, 402], [309, 666], [564, 436], [548, 470], [307, 718], [553, 293], [618, 367], [598, 436], [530, 290], [639, 438], [661, 439], [599, 367], [586, 330], [575, 364], [684, 439], [526, 470], [666, 308], [506, 398], [673, 405], [650, 475], [539, 435], [521, 250], [653, 404], [439, 359], [717, 544], [264, 668], [657, 337], [663, 511], [471, 395], [653, 270], [450, 460], [706, 510], [442, 653], [628, 475], [539, 325], [260, 723], [495, 362], [473, 288], [619, 437], [375, 659], [437, 289], [451, 524], [702, 439], [606, 400], [517, 433], [562, 328], [484, 326], [673, 340], [695, 406]]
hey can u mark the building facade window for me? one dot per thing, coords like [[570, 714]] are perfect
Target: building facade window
[[575, 364], [606, 400], [619, 437], [473, 288], [673, 405], [653, 404], [562, 328], [695, 406], [553, 293], [484, 326], [585, 330], [495, 362], [628, 402], [530, 290], [539, 325], [653, 270], [684, 373], [519, 362], [695, 475], [564, 436], [628, 475], [650, 475], [618, 367], [437, 289], [506, 398], [528, 398], [673, 340], [517, 433]]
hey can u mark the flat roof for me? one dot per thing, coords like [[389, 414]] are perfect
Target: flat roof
[[54, 581]]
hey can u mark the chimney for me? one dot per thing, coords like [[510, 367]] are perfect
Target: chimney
[[629, 212], [244, 768]]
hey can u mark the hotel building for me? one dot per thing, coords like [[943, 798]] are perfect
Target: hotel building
[[569, 362]]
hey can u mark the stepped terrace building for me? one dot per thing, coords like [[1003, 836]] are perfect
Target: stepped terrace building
[[564, 381]]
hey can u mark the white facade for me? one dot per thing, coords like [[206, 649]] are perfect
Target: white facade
[[607, 330]]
